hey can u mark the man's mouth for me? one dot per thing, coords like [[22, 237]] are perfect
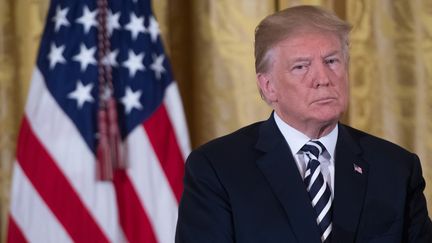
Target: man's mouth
[[324, 100]]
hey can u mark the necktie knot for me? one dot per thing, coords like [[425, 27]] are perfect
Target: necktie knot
[[313, 147]]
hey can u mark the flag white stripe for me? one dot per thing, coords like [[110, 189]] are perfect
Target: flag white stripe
[[31, 214], [72, 156], [175, 112], [151, 185]]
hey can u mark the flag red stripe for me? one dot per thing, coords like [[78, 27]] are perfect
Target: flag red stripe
[[55, 189], [162, 137], [133, 219], [14, 234]]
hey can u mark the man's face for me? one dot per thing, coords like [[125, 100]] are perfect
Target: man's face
[[308, 80]]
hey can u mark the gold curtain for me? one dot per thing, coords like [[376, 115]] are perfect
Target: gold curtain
[[21, 24], [391, 67], [210, 44], [211, 49]]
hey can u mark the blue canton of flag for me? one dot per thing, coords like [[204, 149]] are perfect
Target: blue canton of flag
[[68, 61]]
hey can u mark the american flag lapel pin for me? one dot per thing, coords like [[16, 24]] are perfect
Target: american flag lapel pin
[[358, 169]]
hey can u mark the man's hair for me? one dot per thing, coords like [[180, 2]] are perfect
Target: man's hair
[[291, 21]]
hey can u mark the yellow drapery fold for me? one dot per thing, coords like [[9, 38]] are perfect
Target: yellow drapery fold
[[21, 25], [212, 55], [210, 44], [391, 66]]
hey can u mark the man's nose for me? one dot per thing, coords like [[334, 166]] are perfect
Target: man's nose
[[321, 77]]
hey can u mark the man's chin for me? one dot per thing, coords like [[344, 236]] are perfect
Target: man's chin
[[329, 118]]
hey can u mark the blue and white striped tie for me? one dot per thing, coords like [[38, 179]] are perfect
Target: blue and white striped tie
[[319, 190]]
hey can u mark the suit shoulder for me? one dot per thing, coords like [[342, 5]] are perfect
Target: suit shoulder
[[227, 153], [382, 154], [373, 143], [244, 136]]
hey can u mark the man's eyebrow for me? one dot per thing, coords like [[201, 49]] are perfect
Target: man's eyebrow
[[335, 52], [299, 59]]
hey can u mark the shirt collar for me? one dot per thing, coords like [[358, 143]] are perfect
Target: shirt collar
[[297, 139]]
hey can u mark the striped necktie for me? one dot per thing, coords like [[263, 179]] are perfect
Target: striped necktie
[[318, 189]]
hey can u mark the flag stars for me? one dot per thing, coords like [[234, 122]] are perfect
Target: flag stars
[[111, 58], [153, 29], [106, 93], [157, 66], [56, 55], [135, 25], [134, 63], [113, 22], [131, 100], [81, 94], [60, 18], [88, 19], [85, 57]]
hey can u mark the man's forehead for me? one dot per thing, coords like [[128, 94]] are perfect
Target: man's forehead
[[309, 45], [307, 56], [310, 38]]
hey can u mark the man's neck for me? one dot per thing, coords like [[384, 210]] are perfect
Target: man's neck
[[312, 130]]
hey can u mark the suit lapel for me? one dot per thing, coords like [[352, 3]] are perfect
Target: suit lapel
[[351, 174], [279, 168]]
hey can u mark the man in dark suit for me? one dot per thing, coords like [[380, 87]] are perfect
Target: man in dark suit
[[301, 176]]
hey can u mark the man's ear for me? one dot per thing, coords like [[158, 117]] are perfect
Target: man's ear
[[266, 87]]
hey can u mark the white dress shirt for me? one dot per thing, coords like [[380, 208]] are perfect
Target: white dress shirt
[[297, 139]]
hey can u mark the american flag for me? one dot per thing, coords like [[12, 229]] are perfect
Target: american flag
[[56, 195], [358, 169]]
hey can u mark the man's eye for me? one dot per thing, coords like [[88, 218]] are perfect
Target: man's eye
[[300, 67], [332, 61]]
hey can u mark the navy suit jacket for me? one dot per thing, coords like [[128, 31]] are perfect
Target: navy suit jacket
[[245, 187]]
